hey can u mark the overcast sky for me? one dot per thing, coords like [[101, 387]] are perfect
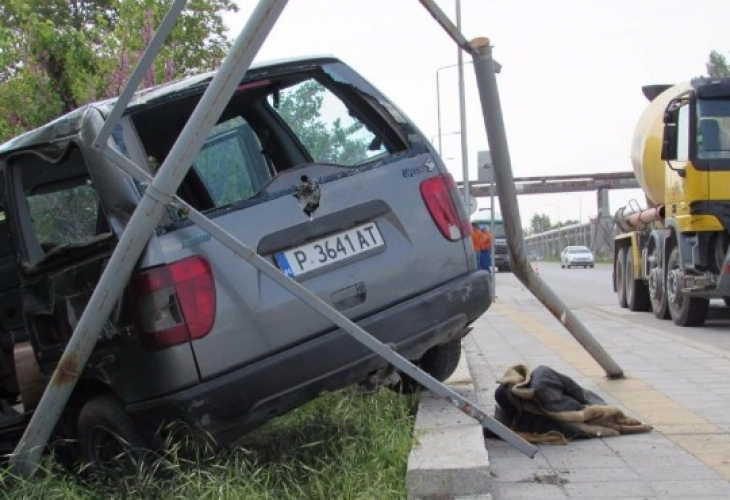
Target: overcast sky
[[571, 81]]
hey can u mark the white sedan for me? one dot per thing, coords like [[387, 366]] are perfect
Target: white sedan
[[576, 256]]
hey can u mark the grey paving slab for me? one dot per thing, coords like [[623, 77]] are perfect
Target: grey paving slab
[[656, 470], [571, 461], [644, 466], [691, 488], [600, 475], [527, 490], [618, 489]]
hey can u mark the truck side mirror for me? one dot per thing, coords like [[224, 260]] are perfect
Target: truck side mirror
[[669, 141], [675, 144]]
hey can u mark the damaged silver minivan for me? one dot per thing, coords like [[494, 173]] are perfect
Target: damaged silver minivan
[[310, 166]]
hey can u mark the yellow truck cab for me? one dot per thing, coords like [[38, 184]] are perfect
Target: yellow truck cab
[[672, 257]]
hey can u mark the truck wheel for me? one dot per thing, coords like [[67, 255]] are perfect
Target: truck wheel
[[657, 286], [685, 311], [637, 294], [621, 277], [727, 301], [108, 436]]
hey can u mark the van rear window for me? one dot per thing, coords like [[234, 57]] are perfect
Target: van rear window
[[269, 126]]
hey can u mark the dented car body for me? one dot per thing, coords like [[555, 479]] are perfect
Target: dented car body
[[201, 336]]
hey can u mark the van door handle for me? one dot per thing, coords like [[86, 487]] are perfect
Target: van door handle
[[349, 297]]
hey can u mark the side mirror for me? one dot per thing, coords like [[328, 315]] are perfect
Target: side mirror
[[669, 139], [669, 142]]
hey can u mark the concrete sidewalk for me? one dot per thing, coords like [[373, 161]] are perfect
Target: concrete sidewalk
[[679, 387]]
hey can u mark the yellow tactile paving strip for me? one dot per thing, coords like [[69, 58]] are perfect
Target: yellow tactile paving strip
[[698, 436]]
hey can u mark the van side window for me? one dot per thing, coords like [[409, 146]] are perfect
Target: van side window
[[231, 163], [55, 206], [64, 214]]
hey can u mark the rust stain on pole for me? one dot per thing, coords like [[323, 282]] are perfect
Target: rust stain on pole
[[67, 371]]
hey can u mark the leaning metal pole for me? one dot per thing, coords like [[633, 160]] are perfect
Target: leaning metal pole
[[145, 218], [502, 170], [484, 67]]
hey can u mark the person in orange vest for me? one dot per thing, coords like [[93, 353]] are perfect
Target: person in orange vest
[[482, 242], [487, 251]]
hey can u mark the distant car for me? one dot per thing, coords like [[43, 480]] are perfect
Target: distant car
[[576, 256]]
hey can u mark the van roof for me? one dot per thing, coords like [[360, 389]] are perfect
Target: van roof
[[68, 125]]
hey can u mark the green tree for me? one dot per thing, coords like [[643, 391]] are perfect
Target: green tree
[[565, 223], [540, 223], [717, 65], [56, 55]]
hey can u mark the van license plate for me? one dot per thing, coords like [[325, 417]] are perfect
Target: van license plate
[[327, 251]]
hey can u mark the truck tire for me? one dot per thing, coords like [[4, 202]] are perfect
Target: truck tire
[[108, 436], [637, 293], [685, 311], [657, 286], [621, 277]]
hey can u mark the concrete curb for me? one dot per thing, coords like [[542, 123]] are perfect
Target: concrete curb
[[449, 459]]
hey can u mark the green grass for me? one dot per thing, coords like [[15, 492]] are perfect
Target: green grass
[[344, 445]]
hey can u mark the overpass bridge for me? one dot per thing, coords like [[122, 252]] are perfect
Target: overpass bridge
[[596, 234]]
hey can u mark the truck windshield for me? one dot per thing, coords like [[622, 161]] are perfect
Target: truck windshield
[[713, 129]]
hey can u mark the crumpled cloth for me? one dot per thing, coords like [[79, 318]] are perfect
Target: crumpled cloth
[[546, 406]]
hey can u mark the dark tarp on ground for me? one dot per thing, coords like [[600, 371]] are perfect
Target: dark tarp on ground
[[546, 406]]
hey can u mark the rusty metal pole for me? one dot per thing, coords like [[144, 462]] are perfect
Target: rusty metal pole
[[481, 52], [159, 193], [486, 70]]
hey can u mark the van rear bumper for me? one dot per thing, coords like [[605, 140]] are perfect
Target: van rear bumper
[[228, 405]]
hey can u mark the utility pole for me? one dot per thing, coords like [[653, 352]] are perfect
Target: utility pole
[[462, 112]]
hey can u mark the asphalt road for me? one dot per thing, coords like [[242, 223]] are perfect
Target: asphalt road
[[588, 288]]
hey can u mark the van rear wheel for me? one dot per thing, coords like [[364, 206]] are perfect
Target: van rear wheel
[[440, 362], [108, 436]]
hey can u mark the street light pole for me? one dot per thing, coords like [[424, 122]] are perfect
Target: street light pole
[[462, 112], [438, 109]]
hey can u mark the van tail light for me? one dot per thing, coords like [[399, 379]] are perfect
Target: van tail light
[[174, 303], [442, 200]]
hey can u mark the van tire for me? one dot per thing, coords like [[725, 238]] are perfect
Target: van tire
[[440, 362], [107, 434]]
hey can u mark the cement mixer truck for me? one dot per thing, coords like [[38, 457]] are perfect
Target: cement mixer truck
[[672, 257]]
